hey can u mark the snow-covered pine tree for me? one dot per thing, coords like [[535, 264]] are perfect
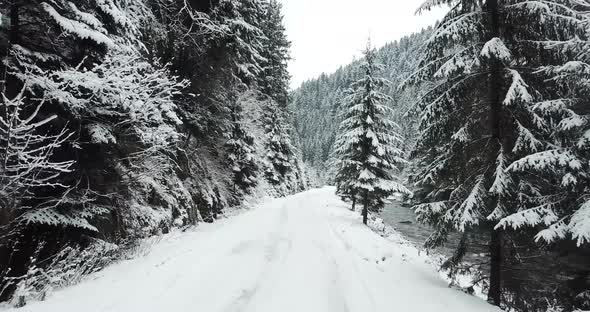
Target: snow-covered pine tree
[[242, 154], [367, 146], [280, 150], [345, 170], [317, 104], [484, 58], [245, 25], [219, 51], [562, 206], [274, 80], [343, 166]]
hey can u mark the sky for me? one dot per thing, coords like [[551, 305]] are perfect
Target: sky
[[326, 34]]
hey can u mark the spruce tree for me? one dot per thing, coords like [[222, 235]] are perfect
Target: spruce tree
[[275, 77], [247, 38], [280, 151], [242, 154], [367, 146], [484, 59], [561, 209], [318, 108]]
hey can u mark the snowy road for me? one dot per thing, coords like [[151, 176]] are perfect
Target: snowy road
[[303, 253]]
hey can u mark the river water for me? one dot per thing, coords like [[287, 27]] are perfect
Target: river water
[[540, 270], [403, 219]]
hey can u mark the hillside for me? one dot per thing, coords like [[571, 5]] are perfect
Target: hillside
[[317, 103], [125, 119]]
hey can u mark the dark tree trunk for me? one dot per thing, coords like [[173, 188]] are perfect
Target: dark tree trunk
[[495, 88], [14, 22], [365, 207], [13, 38], [496, 250], [353, 202]]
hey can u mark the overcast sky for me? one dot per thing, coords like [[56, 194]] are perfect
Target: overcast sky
[[328, 33]]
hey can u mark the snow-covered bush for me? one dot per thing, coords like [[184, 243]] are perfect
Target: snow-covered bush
[[27, 151], [67, 267], [125, 106], [123, 95]]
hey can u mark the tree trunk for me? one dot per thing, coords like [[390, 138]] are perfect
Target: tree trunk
[[365, 207], [495, 91], [496, 252], [353, 202], [13, 38], [14, 23]]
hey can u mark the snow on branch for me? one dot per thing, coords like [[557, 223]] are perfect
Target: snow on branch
[[469, 209], [430, 4], [547, 160], [495, 49], [50, 216], [460, 63], [27, 149], [455, 30], [580, 224], [502, 181], [554, 232], [130, 92], [87, 18], [573, 122], [518, 91], [526, 140], [110, 8], [553, 107], [77, 28], [557, 229], [543, 214], [537, 7], [584, 141]]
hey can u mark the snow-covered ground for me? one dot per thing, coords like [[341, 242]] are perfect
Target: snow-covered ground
[[302, 253]]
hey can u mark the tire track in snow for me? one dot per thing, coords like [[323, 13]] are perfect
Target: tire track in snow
[[333, 268], [351, 254], [274, 254]]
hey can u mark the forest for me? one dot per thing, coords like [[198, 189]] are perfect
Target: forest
[[127, 122], [124, 119], [491, 124]]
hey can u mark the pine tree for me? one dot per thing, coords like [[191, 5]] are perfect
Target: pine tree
[[479, 116], [274, 79], [562, 209], [280, 151], [367, 146], [318, 109], [244, 20], [242, 154]]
